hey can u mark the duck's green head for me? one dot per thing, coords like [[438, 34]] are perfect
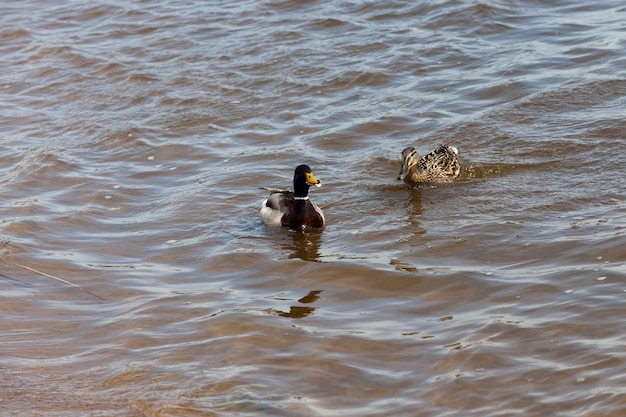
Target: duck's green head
[[304, 174], [303, 178]]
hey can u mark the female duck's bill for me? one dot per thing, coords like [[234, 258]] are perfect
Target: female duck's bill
[[440, 165], [294, 209]]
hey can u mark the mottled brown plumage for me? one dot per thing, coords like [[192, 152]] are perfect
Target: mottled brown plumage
[[440, 165]]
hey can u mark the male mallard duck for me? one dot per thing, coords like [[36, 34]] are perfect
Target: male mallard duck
[[294, 209], [441, 165]]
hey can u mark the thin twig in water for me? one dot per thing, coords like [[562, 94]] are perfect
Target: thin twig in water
[[64, 281]]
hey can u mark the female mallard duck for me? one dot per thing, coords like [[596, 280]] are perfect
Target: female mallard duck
[[441, 165], [294, 209]]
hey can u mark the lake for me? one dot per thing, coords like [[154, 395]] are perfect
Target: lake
[[138, 280]]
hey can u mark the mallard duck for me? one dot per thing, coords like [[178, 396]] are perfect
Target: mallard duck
[[294, 209], [441, 165]]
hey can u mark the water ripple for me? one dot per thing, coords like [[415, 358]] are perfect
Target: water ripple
[[137, 278]]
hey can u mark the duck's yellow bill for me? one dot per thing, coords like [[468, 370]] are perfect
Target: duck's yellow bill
[[311, 180]]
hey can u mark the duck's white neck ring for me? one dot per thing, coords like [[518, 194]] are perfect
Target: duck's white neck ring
[[301, 198]]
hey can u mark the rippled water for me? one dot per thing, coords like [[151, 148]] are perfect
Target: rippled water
[[137, 279]]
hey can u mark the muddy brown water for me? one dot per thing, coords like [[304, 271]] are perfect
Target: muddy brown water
[[137, 280]]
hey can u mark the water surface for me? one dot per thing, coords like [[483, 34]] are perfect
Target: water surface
[[137, 279]]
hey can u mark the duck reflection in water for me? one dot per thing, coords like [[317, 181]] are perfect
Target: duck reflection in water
[[299, 245], [415, 201], [304, 245], [299, 312]]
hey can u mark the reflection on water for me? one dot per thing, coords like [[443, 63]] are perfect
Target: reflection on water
[[415, 200], [311, 297], [302, 245], [299, 312]]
